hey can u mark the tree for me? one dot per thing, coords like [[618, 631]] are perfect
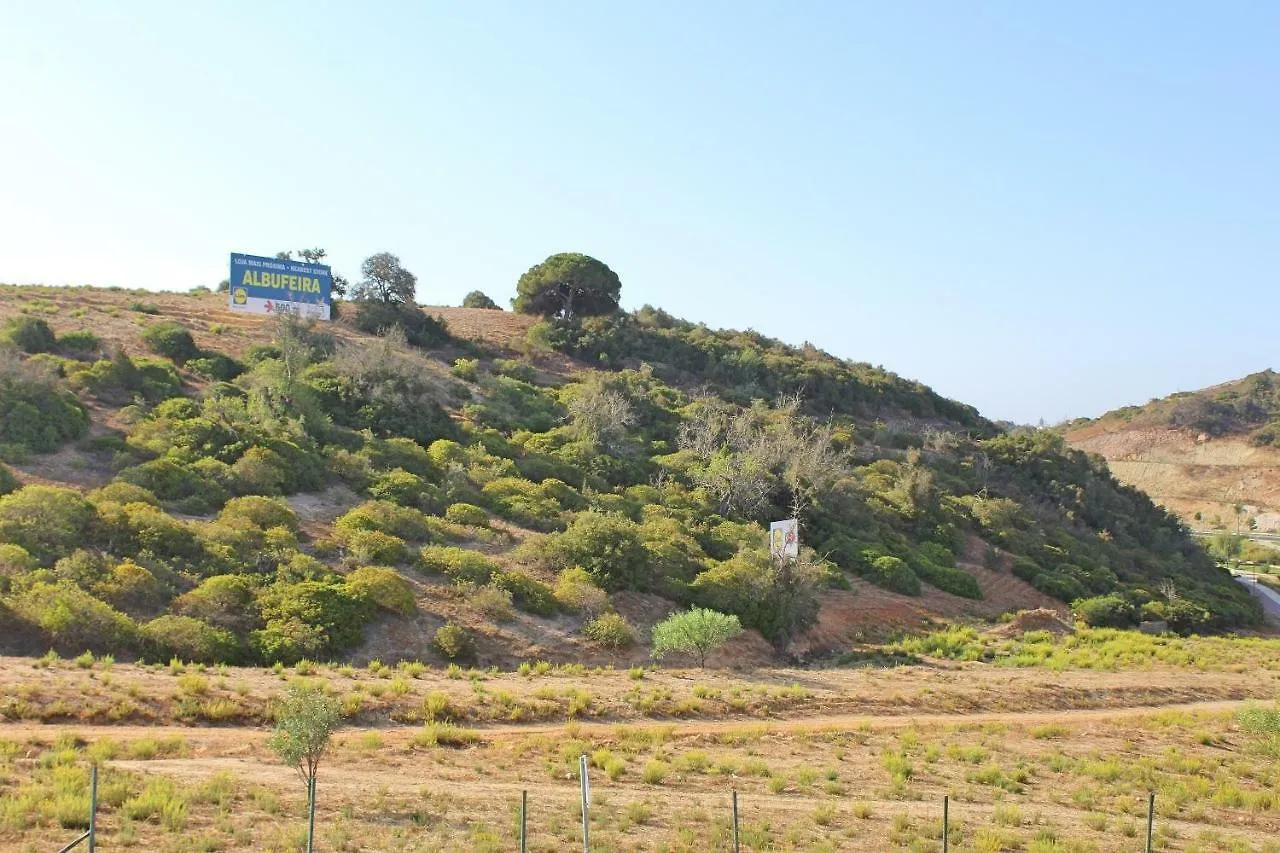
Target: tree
[[696, 632], [476, 299], [599, 415], [305, 720], [779, 598], [1226, 546], [314, 256], [746, 457], [385, 280], [568, 285]]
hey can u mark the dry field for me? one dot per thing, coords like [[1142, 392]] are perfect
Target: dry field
[[837, 759]]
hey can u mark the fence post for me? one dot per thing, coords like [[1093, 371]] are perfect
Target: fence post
[[736, 848], [1151, 819], [524, 806], [93, 807], [946, 822], [586, 796], [311, 814]]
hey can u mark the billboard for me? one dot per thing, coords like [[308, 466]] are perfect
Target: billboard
[[784, 538], [274, 286]]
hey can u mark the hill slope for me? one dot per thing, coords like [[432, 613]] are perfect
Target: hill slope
[[186, 482], [1200, 453]]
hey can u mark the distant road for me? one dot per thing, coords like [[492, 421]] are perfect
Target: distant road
[[1269, 598], [1256, 537]]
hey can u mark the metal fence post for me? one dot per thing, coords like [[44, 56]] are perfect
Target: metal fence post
[[736, 848], [946, 822], [586, 796], [1151, 819], [524, 807], [93, 807]]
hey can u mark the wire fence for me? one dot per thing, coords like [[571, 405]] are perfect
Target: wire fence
[[521, 841]]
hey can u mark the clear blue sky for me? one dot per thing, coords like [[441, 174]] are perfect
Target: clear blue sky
[[1044, 209]]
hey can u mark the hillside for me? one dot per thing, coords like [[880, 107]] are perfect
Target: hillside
[[478, 486], [1199, 453]]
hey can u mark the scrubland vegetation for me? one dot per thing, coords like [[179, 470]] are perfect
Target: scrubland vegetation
[[1248, 406], [433, 533], [481, 480]]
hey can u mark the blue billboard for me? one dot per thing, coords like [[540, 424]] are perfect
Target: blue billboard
[[274, 286]]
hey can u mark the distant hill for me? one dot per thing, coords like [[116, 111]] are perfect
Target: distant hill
[[1201, 453], [474, 485]]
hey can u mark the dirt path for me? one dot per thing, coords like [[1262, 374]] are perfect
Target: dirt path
[[238, 739]]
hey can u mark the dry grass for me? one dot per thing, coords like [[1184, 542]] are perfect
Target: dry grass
[[667, 787]]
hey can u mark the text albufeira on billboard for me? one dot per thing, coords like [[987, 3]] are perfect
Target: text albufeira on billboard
[[274, 286]]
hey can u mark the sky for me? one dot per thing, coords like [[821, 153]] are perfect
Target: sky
[[1047, 210]]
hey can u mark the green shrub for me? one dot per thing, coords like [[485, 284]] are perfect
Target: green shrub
[[80, 341], [143, 527], [8, 481], [1106, 611], [420, 329], [454, 642], [216, 367], [948, 579], [610, 630], [459, 564], [15, 560], [468, 514], [466, 368], [224, 601], [259, 353], [608, 547], [778, 600], [374, 546], [174, 482], [385, 588], [262, 512], [529, 594], [401, 487], [83, 567], [261, 471], [29, 334], [521, 370], [493, 601], [310, 619], [403, 453], [72, 620], [132, 589], [575, 590], [188, 639], [36, 413], [477, 299], [385, 517], [45, 521], [119, 377], [170, 340], [526, 503], [509, 404], [893, 574], [696, 632], [1183, 615], [120, 492]]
